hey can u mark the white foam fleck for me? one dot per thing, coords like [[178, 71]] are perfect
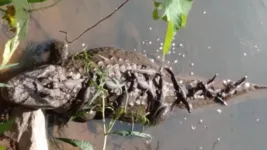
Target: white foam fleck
[[245, 54], [219, 111], [181, 44], [175, 61], [193, 127], [149, 42]]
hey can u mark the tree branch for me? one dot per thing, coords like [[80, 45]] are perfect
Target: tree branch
[[108, 16]]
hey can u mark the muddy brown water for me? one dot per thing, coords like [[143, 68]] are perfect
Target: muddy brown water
[[225, 37]]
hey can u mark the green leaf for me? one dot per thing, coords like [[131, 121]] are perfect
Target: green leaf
[[21, 24], [4, 2], [5, 126], [3, 85], [83, 145], [155, 14], [2, 148], [175, 11], [132, 133], [7, 66], [168, 39]]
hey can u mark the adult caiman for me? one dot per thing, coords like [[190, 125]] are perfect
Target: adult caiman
[[131, 87]]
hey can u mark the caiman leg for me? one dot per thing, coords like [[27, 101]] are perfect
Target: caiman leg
[[77, 104], [180, 92]]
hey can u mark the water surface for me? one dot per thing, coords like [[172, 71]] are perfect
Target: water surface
[[225, 37]]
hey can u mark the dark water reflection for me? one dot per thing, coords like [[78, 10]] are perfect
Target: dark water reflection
[[225, 37]]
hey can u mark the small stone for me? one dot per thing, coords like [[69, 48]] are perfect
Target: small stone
[[191, 73]]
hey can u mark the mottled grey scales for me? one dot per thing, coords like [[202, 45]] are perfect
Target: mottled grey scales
[[64, 86]]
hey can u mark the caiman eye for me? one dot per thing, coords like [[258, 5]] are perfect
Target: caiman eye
[[42, 94]]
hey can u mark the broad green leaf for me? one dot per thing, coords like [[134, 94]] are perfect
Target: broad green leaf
[[21, 24], [132, 133], [2, 148], [83, 145], [7, 66], [4, 2], [5, 126], [168, 39], [175, 11]]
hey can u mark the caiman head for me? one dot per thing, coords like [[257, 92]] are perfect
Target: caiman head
[[46, 87]]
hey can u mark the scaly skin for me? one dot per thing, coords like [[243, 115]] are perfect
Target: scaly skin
[[62, 86]]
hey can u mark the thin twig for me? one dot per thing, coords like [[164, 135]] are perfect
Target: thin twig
[[108, 16]]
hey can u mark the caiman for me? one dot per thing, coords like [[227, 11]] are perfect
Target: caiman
[[131, 87]]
